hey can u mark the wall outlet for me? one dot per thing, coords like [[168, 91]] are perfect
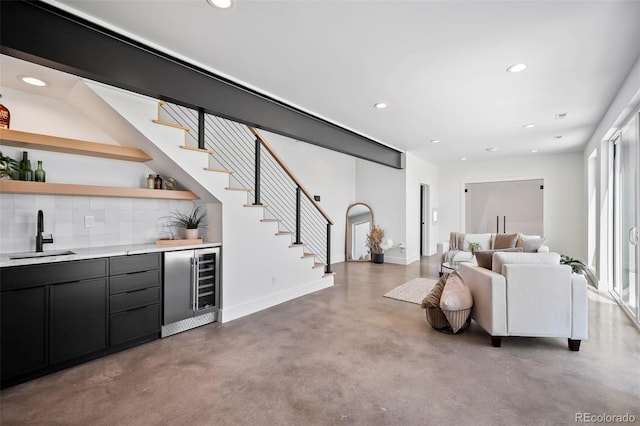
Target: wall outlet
[[89, 221]]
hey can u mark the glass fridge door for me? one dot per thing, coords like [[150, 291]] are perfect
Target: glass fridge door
[[207, 283]]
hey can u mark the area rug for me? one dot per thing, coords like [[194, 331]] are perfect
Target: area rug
[[412, 291]]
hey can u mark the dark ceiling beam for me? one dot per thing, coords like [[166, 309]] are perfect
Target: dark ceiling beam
[[40, 33]]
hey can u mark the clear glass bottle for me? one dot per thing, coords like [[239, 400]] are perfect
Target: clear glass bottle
[[39, 175], [5, 116], [151, 182]]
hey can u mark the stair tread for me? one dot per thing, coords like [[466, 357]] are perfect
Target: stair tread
[[296, 245], [328, 274], [230, 188], [319, 265], [256, 205], [211, 169], [193, 148], [305, 255], [166, 123], [269, 220], [284, 233]]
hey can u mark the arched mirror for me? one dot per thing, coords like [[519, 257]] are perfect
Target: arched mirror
[[359, 223]]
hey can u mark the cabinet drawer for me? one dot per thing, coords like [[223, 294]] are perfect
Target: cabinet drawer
[[17, 277], [134, 263], [135, 299], [137, 281], [131, 325]]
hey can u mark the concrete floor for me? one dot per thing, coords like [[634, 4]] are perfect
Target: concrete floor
[[345, 355]]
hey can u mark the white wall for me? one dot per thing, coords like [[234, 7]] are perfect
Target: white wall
[[564, 200], [419, 172], [323, 172]]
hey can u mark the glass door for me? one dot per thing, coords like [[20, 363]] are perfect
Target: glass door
[[626, 186]]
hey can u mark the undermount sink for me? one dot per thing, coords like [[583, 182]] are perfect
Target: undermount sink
[[33, 254]]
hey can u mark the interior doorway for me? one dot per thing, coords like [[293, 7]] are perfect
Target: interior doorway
[[425, 222]]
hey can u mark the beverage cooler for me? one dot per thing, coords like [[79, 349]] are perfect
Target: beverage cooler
[[191, 289]]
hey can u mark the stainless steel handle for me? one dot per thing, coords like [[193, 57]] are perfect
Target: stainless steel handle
[[633, 236], [194, 270], [504, 224]]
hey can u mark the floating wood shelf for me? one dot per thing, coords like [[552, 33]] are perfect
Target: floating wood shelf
[[71, 146], [22, 187]]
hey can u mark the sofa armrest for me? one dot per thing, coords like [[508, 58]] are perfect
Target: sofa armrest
[[543, 249], [579, 307], [442, 249], [489, 293]]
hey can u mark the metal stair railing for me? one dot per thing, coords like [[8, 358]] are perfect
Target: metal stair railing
[[256, 166]]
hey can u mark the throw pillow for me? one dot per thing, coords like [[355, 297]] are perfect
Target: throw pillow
[[501, 259], [435, 316], [485, 258], [483, 239], [530, 244], [505, 241], [456, 301]]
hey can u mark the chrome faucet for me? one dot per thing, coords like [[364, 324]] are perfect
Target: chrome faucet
[[40, 240]]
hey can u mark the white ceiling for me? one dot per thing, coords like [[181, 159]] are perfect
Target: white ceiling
[[439, 65]]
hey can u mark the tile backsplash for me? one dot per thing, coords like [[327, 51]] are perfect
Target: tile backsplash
[[115, 220]]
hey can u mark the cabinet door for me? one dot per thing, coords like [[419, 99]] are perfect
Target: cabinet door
[[78, 320], [23, 331]]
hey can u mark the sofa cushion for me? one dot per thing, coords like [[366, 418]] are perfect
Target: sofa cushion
[[485, 257], [483, 239], [532, 244], [500, 259], [505, 241], [456, 301]]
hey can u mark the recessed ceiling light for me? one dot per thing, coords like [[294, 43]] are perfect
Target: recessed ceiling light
[[529, 126], [435, 140], [558, 137], [32, 80], [380, 105], [492, 149], [222, 4], [463, 159], [517, 68], [561, 116], [533, 151]]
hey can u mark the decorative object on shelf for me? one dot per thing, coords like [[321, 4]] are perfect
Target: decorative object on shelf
[[157, 182], [197, 218], [374, 244], [178, 242], [579, 267], [8, 167], [25, 167], [5, 116], [151, 182], [170, 184], [39, 175]]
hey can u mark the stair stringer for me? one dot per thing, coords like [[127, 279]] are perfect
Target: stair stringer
[[259, 268]]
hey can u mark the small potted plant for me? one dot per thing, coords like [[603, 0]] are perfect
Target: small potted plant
[[7, 166], [197, 218], [374, 243], [474, 247]]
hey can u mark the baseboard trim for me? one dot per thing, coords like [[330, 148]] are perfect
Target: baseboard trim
[[256, 305]]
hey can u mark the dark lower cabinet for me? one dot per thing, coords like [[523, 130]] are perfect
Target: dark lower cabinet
[[23, 328], [58, 314], [78, 319]]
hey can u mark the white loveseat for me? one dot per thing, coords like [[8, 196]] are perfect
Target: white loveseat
[[528, 294]]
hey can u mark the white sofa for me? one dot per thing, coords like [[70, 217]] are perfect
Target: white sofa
[[528, 294], [457, 250]]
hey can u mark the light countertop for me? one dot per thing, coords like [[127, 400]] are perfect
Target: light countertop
[[95, 252]]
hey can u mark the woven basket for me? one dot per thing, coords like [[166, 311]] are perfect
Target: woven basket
[[436, 318]]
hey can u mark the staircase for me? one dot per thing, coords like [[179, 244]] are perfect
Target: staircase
[[275, 238]]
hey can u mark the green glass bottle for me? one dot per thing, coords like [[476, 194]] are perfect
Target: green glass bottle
[[25, 167], [39, 174]]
